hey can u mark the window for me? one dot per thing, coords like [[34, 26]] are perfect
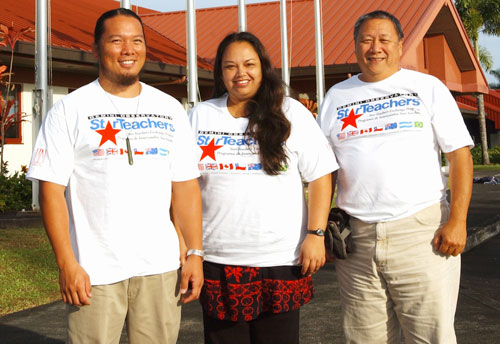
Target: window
[[13, 129]]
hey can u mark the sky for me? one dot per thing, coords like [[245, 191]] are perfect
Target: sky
[[180, 5], [492, 43]]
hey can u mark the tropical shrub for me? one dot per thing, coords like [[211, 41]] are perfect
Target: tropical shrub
[[15, 191]]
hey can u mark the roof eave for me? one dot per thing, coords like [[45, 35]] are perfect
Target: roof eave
[[81, 60]]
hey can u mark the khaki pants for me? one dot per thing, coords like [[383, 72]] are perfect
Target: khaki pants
[[150, 305], [395, 281]]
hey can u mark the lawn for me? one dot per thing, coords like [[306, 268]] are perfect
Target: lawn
[[492, 167], [28, 271]]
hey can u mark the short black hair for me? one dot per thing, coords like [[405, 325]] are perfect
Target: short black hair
[[379, 14], [99, 25]]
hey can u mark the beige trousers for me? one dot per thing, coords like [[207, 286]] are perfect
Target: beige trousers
[[395, 282], [150, 305]]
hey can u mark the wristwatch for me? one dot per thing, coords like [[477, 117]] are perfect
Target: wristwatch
[[196, 252], [318, 232]]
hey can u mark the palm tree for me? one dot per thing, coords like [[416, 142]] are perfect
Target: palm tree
[[480, 16], [485, 58]]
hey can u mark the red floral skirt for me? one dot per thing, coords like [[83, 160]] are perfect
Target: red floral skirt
[[241, 293]]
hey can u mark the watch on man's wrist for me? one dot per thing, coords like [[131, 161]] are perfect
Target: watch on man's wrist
[[318, 232], [196, 252]]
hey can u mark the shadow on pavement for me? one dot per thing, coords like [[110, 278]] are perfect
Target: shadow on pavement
[[20, 335]]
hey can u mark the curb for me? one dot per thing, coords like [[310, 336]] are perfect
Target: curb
[[481, 234], [21, 219]]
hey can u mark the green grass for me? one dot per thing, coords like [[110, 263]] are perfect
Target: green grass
[[492, 167], [28, 272]]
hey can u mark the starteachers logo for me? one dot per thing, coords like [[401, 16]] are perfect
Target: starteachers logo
[[209, 150], [108, 134], [350, 120]]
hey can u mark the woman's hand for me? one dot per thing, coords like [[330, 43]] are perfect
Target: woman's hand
[[312, 254]]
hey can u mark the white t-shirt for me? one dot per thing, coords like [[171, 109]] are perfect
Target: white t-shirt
[[119, 213], [251, 218], [387, 138]]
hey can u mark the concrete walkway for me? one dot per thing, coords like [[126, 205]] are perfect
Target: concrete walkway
[[477, 317]]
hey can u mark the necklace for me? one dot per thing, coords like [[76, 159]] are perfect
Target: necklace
[[127, 141]]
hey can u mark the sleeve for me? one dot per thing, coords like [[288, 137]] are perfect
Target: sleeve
[[53, 153], [447, 121], [315, 156], [185, 154], [325, 117]]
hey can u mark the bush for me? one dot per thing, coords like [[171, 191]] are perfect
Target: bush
[[15, 191], [495, 155], [477, 155]]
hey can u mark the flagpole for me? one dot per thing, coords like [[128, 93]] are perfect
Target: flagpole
[[320, 72], [242, 16], [285, 75], [192, 65]]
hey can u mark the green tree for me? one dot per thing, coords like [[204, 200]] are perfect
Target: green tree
[[485, 58], [480, 16]]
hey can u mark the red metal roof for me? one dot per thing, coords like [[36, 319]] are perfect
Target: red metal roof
[[73, 23], [339, 16], [73, 27], [263, 20]]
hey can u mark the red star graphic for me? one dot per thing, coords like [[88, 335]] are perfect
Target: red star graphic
[[108, 134], [209, 150], [350, 120]]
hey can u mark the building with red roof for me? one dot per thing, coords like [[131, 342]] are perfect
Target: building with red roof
[[435, 43], [435, 40], [72, 35]]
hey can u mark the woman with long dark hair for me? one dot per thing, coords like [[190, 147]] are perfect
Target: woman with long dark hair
[[262, 242]]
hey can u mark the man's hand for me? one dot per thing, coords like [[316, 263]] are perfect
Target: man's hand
[[74, 284], [450, 238], [192, 278], [312, 254]]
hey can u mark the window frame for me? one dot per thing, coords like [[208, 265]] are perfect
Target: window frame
[[19, 137]]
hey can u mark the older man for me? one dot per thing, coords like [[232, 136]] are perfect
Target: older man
[[109, 157], [388, 127]]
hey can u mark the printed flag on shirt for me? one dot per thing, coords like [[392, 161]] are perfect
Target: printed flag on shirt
[[98, 152], [226, 166], [151, 151], [254, 167], [111, 151]]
